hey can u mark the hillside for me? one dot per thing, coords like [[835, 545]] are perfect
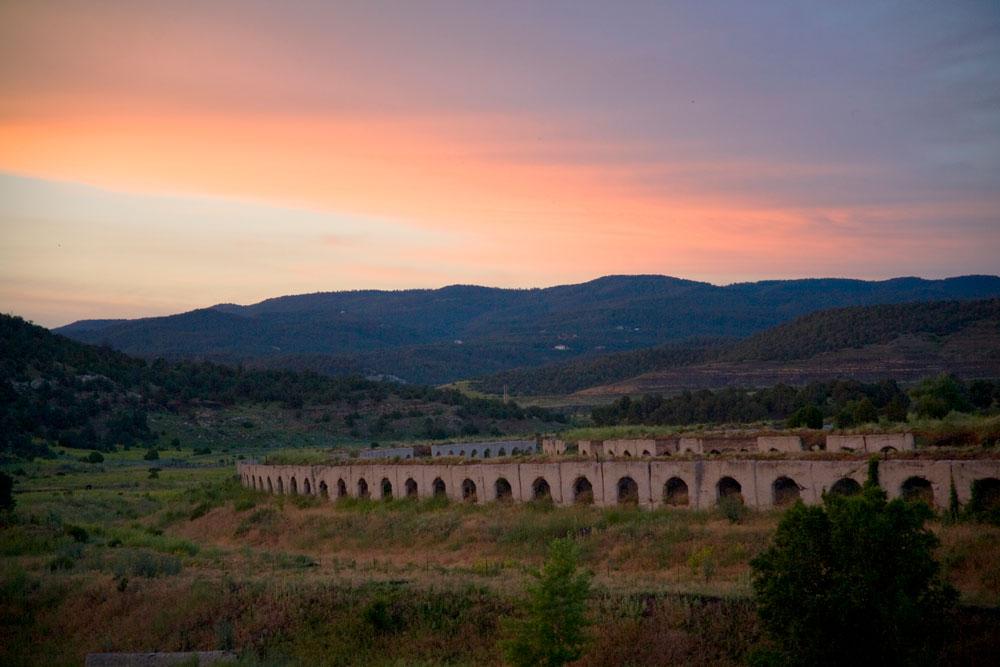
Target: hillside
[[55, 391], [902, 341], [436, 336], [899, 341]]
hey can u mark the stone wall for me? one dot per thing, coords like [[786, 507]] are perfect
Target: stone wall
[[387, 453], [690, 483], [485, 450]]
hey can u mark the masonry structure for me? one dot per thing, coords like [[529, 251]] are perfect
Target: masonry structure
[[689, 482]]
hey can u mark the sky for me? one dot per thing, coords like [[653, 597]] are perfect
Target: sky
[[161, 156]]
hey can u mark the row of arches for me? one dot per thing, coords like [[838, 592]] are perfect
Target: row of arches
[[675, 491], [486, 453]]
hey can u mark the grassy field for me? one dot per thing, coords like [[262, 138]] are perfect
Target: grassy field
[[110, 557]]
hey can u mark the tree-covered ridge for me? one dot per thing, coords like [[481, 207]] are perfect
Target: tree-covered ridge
[[55, 390], [807, 337], [462, 331]]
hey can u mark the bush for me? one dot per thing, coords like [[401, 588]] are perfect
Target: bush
[[809, 416], [733, 509], [152, 454], [853, 581], [94, 457], [78, 533], [552, 631]]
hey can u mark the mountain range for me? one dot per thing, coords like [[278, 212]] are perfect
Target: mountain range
[[461, 331]]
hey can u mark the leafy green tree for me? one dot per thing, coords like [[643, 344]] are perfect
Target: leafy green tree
[[853, 581], [553, 630], [809, 416], [865, 412], [936, 397]]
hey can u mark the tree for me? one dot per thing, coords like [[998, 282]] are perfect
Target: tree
[[853, 581], [809, 416], [553, 630]]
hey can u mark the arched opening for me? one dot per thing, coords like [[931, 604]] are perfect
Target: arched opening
[[845, 486], [502, 452], [645, 452], [437, 453], [784, 491], [462, 453], [985, 498], [715, 452], [729, 488], [307, 487], [628, 491], [627, 454], [473, 453], [469, 491], [411, 488], [583, 491], [486, 453], [888, 450], [540, 490], [281, 486], [270, 487], [293, 487], [438, 488], [675, 492], [362, 488], [773, 450], [341, 488], [503, 490], [917, 489], [515, 451], [324, 490], [386, 488]]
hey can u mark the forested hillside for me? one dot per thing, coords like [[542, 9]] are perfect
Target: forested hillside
[[908, 340], [436, 336], [57, 391]]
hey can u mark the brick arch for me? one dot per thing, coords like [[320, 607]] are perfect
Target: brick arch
[[306, 487], [439, 488], [386, 488], [727, 487], [583, 491], [676, 492], [917, 488], [540, 489], [324, 490], [785, 491], [341, 488], [410, 488], [845, 486], [469, 492], [362, 488], [628, 491], [503, 490]]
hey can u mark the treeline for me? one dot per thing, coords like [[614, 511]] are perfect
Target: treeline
[[844, 403], [56, 390]]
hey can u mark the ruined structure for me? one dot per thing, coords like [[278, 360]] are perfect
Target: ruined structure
[[485, 450], [695, 483], [387, 453]]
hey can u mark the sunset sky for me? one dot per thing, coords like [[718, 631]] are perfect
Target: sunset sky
[[161, 156]]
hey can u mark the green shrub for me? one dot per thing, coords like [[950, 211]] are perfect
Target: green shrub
[[853, 581], [152, 454], [94, 457], [552, 630], [78, 533], [144, 563], [733, 509]]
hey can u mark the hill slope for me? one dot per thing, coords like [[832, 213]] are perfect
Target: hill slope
[[57, 391], [900, 341], [460, 331]]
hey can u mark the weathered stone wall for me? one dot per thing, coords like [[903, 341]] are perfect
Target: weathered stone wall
[[640, 447], [651, 483], [387, 453], [779, 443], [591, 447], [553, 446], [485, 450]]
